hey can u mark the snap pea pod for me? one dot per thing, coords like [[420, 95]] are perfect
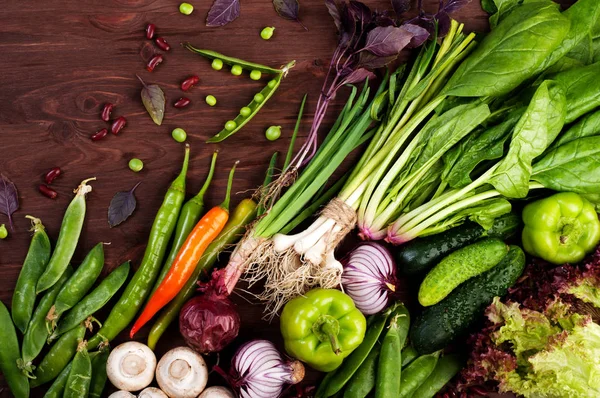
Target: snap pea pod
[[363, 381], [38, 255], [140, 285], [416, 373], [409, 354], [59, 356], [37, 331], [231, 61], [57, 389], [188, 218], [388, 371], [68, 237], [99, 375], [78, 382], [9, 354], [445, 369], [241, 216], [93, 301]]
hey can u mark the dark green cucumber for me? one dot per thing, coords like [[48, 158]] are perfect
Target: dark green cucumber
[[451, 318], [422, 254]]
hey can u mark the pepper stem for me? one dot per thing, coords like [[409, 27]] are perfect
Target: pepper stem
[[179, 182], [225, 204], [209, 177], [327, 328]]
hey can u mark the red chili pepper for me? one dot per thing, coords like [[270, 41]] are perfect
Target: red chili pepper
[[97, 136], [118, 125], [150, 28], [205, 231], [106, 111], [189, 82], [154, 62], [48, 192], [182, 102], [52, 174], [161, 43]]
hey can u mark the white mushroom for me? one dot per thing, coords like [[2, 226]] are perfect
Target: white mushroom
[[217, 392], [130, 366], [152, 392], [121, 394], [182, 373]]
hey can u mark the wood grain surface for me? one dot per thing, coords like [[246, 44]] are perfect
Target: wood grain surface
[[62, 60]]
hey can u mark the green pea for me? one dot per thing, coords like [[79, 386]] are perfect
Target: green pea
[[211, 100], [273, 133], [267, 32], [272, 83], [3, 231], [255, 75], [136, 165], [236, 70], [258, 97], [186, 8], [217, 64], [230, 125], [179, 134], [245, 111]]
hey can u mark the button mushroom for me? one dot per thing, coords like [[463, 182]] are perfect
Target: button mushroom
[[217, 392], [121, 394], [130, 366], [182, 373], [152, 392]]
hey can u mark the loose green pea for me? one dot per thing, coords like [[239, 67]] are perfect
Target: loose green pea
[[186, 8], [255, 75], [217, 64], [267, 32], [273, 133], [258, 97], [245, 111], [211, 100], [179, 134], [230, 125], [136, 164], [236, 70], [3, 231], [272, 83]]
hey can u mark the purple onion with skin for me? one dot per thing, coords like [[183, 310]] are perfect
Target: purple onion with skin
[[369, 277]]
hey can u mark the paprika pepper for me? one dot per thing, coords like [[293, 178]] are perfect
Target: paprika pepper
[[561, 228], [322, 328]]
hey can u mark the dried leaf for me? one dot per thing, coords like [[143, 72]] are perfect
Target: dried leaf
[[288, 9], [9, 199], [153, 99], [400, 6], [122, 206], [387, 41], [222, 12]]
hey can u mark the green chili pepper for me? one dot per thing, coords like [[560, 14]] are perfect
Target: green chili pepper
[[9, 354], [67, 238], [388, 371], [57, 388], [78, 382], [78, 285], [416, 373], [59, 356], [23, 299], [98, 372], [141, 284], [231, 61], [37, 331], [93, 301], [241, 216], [363, 381]]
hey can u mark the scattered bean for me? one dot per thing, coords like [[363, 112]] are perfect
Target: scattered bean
[[273, 133], [154, 62], [118, 125], [136, 165], [267, 32], [217, 64], [189, 82], [99, 135], [245, 111], [3, 231], [211, 100], [236, 70], [255, 75], [52, 174], [48, 192], [230, 125], [150, 28], [106, 111], [186, 8], [179, 134], [259, 97], [182, 102], [161, 43]]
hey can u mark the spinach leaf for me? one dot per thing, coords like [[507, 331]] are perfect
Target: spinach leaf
[[587, 126], [583, 51], [503, 7], [593, 198], [582, 89], [574, 166], [534, 132], [511, 53]]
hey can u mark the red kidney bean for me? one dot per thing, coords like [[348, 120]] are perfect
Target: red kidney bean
[[52, 174], [182, 102], [150, 28], [106, 111], [161, 43], [154, 61], [118, 124], [97, 136], [48, 192], [189, 82]]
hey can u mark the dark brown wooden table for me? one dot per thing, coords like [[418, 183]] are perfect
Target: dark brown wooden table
[[62, 60]]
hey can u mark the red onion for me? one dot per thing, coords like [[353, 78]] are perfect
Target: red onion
[[259, 371], [369, 277]]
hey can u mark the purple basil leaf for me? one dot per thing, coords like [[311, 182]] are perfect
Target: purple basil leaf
[[357, 76], [383, 19], [370, 61], [426, 22], [453, 5], [387, 41], [288, 9], [362, 13], [153, 99], [9, 199], [443, 22], [419, 33], [122, 206], [222, 12], [334, 11], [400, 6]]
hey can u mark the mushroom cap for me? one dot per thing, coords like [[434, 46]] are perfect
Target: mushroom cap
[[131, 366], [217, 392], [121, 394], [152, 392], [182, 373]]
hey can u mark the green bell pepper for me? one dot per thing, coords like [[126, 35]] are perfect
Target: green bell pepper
[[322, 328], [561, 228]]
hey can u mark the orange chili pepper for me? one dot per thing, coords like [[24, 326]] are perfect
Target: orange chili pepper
[[205, 231]]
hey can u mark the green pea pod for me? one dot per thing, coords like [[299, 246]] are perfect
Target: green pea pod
[[9, 354], [409, 354], [141, 284], [59, 356], [231, 61], [23, 300], [79, 284], [388, 371], [67, 238], [37, 331], [93, 301], [416, 373], [99, 376], [241, 216], [78, 382], [188, 218], [363, 381], [445, 369], [57, 389]]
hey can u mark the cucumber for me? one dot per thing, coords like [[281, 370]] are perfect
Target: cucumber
[[422, 254], [442, 323]]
